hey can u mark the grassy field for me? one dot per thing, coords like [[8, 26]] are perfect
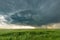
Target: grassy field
[[33, 34]]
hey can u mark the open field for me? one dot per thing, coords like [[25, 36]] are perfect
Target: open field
[[32, 34]]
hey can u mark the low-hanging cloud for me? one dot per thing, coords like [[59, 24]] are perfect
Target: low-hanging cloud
[[30, 12]]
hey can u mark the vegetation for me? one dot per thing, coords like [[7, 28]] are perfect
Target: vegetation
[[33, 34]]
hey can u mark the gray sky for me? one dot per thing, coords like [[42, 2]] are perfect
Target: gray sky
[[30, 12]]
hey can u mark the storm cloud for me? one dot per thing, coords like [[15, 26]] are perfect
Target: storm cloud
[[30, 12]]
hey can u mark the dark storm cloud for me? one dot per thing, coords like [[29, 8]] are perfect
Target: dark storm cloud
[[31, 12]]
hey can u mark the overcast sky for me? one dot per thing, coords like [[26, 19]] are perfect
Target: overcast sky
[[30, 12]]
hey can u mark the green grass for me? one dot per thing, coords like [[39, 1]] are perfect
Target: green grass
[[33, 34]]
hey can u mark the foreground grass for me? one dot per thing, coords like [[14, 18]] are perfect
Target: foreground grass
[[33, 34]]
